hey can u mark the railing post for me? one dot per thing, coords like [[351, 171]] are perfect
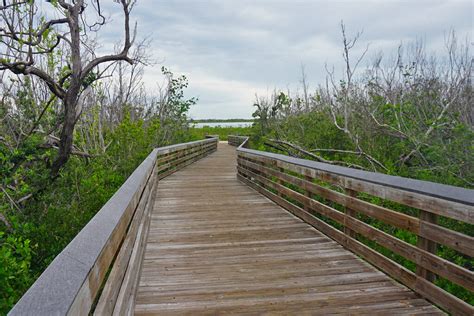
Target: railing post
[[342, 207], [307, 193], [350, 212], [181, 155], [260, 173], [239, 164], [427, 245], [280, 181]]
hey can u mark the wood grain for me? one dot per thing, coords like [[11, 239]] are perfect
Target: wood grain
[[459, 211], [217, 246], [421, 226], [421, 257], [279, 182], [422, 286], [118, 294]]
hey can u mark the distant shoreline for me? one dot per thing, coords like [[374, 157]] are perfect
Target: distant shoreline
[[220, 124], [220, 120]]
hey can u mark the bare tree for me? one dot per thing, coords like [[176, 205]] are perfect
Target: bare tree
[[26, 38], [424, 94], [346, 94], [350, 70], [304, 83]]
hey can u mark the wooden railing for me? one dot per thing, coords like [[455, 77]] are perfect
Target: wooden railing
[[98, 271], [235, 140], [338, 201]]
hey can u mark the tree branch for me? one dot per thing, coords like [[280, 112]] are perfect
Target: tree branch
[[123, 55], [317, 157]]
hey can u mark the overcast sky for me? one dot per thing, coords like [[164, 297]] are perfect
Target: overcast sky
[[230, 50]]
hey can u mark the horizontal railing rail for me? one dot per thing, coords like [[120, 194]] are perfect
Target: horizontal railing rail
[[97, 272], [235, 140], [340, 202]]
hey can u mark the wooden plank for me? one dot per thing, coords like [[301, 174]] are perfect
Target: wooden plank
[[216, 246], [444, 207], [235, 140], [388, 216], [420, 285], [174, 148], [181, 154], [429, 246], [184, 161], [444, 236], [307, 193], [142, 245], [441, 235], [423, 258], [350, 212], [108, 297], [123, 300]]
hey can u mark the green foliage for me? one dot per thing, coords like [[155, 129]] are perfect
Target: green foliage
[[58, 210], [15, 261], [445, 158], [222, 132], [176, 100], [237, 120]]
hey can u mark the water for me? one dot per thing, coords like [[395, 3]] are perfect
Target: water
[[223, 124]]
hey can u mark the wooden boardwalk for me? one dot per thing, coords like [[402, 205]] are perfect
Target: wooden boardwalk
[[217, 246]]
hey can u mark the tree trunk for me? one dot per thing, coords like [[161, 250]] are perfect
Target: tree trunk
[[66, 137], [72, 94]]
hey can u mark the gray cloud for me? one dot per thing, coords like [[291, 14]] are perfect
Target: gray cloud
[[231, 50]]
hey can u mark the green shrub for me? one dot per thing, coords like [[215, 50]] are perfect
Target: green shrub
[[59, 209], [222, 132], [15, 262]]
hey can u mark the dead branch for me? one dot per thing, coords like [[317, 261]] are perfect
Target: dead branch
[[359, 153], [53, 142], [5, 221], [23, 199], [12, 202], [317, 157]]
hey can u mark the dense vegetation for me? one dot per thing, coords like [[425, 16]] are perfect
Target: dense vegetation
[[72, 128], [48, 189], [222, 132], [236, 120], [41, 215], [411, 117]]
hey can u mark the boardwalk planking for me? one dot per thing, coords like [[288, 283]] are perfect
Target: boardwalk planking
[[217, 246]]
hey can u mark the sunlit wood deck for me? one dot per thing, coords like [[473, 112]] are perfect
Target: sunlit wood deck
[[217, 246]]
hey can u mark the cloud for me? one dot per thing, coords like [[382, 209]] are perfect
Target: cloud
[[220, 97], [230, 50]]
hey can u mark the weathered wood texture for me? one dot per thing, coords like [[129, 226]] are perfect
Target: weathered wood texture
[[330, 199], [235, 140], [216, 246], [111, 242], [119, 291]]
